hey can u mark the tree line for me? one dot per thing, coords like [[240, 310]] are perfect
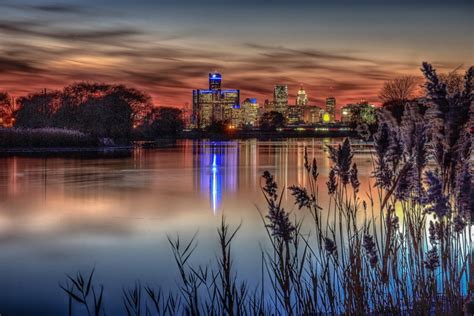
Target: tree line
[[101, 110]]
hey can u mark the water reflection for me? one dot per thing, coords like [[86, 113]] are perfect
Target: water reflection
[[216, 170], [60, 215]]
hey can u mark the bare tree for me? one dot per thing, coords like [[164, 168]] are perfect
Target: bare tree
[[399, 89]]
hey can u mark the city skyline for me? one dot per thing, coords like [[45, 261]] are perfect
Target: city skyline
[[166, 49]]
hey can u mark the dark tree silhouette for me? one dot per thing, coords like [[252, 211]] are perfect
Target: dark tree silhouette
[[36, 110], [98, 109], [217, 127], [107, 116], [163, 122], [272, 120]]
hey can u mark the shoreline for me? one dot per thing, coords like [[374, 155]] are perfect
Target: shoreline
[[164, 143]]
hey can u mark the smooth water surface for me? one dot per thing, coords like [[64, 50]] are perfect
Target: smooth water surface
[[61, 215]]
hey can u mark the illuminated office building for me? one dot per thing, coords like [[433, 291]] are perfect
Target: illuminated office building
[[330, 115], [346, 113], [236, 117], [268, 105], [280, 98], [214, 104], [311, 114], [294, 114], [249, 110], [301, 97]]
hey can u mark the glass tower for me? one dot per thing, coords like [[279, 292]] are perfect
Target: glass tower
[[330, 110], [280, 98], [214, 104]]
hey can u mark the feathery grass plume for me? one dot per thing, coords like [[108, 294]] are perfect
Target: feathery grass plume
[[330, 246], [332, 182], [405, 186], [279, 222], [301, 196], [433, 233], [354, 178], [270, 186], [432, 259], [436, 202], [459, 223], [464, 200], [342, 159], [314, 170], [370, 249], [449, 116], [383, 174], [414, 132]]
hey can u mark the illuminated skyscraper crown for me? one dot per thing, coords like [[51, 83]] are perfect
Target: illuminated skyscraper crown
[[301, 97], [215, 80]]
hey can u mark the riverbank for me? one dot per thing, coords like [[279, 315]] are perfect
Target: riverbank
[[62, 142]]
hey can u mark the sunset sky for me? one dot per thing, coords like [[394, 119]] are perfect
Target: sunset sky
[[166, 48]]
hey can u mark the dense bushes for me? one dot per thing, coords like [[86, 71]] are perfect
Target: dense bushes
[[161, 122]]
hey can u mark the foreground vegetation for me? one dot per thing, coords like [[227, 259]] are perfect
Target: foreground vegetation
[[45, 138], [404, 247]]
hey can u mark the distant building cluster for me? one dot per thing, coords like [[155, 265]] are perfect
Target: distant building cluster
[[217, 104]]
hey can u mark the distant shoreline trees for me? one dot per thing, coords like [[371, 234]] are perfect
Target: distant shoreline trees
[[100, 110], [272, 120]]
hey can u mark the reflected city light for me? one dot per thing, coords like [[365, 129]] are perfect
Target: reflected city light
[[215, 186], [217, 172]]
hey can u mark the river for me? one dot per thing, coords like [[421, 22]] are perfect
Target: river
[[61, 215]]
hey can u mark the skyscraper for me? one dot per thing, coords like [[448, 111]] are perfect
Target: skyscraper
[[301, 97], [280, 98], [250, 112], [330, 110], [214, 104], [311, 114]]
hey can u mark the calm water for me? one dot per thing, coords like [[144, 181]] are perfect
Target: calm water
[[58, 216]]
